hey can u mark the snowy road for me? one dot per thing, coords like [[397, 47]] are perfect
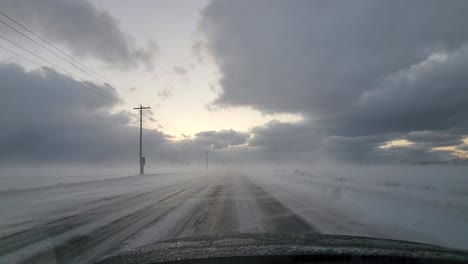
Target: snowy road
[[81, 223], [207, 204]]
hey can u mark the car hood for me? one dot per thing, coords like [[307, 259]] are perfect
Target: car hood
[[291, 245]]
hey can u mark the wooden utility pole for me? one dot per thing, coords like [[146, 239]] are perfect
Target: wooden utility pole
[[142, 159], [206, 155]]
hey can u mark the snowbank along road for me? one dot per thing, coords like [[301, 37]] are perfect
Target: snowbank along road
[[84, 222]]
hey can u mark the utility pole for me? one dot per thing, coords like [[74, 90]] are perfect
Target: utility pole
[[206, 155], [142, 159]]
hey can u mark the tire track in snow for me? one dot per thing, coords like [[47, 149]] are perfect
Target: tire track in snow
[[93, 243], [214, 214], [273, 216], [210, 204], [59, 226], [234, 200]]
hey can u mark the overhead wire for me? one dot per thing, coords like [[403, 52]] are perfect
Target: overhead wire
[[73, 78], [56, 66], [97, 90], [80, 82], [33, 40], [135, 99], [49, 43], [61, 51], [61, 57]]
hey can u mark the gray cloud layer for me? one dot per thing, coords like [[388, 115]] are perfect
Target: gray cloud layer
[[86, 30], [277, 136], [221, 139], [47, 118], [58, 121], [360, 72]]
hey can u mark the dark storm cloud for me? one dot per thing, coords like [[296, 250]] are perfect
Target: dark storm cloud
[[368, 150], [429, 95], [277, 136], [86, 30], [341, 61], [355, 149], [47, 118], [358, 70], [320, 57], [221, 139], [435, 138], [304, 137], [289, 140]]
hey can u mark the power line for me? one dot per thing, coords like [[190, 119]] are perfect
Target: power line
[[161, 126], [94, 89], [41, 38], [61, 51], [58, 67], [159, 116], [58, 49], [51, 51], [81, 83], [44, 47], [61, 57], [99, 91], [32, 53], [135, 99]]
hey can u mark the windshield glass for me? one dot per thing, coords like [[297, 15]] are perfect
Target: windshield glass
[[125, 123]]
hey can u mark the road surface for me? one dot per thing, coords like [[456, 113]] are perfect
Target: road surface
[[202, 205], [82, 223]]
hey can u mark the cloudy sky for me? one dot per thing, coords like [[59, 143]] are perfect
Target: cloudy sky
[[351, 81]]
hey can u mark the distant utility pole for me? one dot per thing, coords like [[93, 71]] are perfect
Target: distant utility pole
[[142, 159], [206, 155]]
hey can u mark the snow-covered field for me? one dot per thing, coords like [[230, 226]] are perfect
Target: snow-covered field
[[82, 222]]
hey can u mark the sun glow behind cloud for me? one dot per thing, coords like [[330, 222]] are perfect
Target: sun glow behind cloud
[[396, 143], [455, 151]]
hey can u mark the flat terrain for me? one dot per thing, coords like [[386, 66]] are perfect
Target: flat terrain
[[84, 222]]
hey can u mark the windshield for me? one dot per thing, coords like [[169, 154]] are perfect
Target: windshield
[[125, 123]]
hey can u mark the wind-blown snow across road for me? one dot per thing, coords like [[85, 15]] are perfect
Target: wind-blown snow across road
[[84, 222]]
